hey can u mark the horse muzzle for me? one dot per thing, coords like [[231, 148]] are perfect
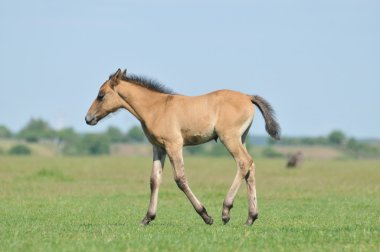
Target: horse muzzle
[[91, 120]]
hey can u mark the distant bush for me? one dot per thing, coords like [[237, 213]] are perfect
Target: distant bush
[[195, 150], [95, 144], [72, 148], [301, 141], [5, 132], [88, 144], [361, 150], [209, 149], [218, 149], [20, 149], [271, 153], [35, 130], [115, 135], [67, 135], [336, 137], [136, 135]]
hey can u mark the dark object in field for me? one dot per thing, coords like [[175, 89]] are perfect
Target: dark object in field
[[171, 121], [295, 160]]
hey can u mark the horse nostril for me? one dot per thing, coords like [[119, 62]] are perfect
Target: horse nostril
[[88, 119]]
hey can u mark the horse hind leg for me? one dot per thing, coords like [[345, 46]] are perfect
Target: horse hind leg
[[228, 201], [251, 194], [251, 186], [243, 162]]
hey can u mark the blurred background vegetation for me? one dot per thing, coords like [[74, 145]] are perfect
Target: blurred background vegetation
[[37, 137]]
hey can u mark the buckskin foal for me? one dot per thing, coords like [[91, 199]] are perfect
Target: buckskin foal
[[171, 121]]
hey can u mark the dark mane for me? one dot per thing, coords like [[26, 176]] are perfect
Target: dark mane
[[146, 82]]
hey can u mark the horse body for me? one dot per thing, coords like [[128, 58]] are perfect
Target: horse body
[[171, 121], [199, 119]]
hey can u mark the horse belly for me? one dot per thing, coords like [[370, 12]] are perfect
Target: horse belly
[[199, 132]]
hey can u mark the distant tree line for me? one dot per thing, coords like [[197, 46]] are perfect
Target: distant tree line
[[71, 142], [334, 138], [337, 139]]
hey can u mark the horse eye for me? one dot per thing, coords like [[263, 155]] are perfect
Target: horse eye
[[100, 96]]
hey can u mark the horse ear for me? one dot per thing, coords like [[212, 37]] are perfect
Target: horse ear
[[116, 78], [124, 74]]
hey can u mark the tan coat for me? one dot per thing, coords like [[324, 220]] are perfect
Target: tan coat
[[171, 121]]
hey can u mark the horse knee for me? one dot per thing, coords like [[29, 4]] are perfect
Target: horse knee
[[153, 183]]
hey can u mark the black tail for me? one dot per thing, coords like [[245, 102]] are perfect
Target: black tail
[[271, 125]]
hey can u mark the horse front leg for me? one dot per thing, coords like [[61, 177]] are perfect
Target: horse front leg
[[155, 181], [176, 160]]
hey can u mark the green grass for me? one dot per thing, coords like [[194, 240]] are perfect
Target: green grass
[[96, 203]]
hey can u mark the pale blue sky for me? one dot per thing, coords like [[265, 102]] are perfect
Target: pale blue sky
[[317, 62]]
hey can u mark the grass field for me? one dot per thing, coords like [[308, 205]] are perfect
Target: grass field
[[96, 203]]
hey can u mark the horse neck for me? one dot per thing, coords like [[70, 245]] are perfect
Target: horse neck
[[139, 101]]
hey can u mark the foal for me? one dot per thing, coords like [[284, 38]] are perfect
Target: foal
[[171, 121]]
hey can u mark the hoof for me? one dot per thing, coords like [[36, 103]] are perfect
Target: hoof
[[206, 218], [146, 221], [226, 213], [209, 220], [225, 219], [251, 219]]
